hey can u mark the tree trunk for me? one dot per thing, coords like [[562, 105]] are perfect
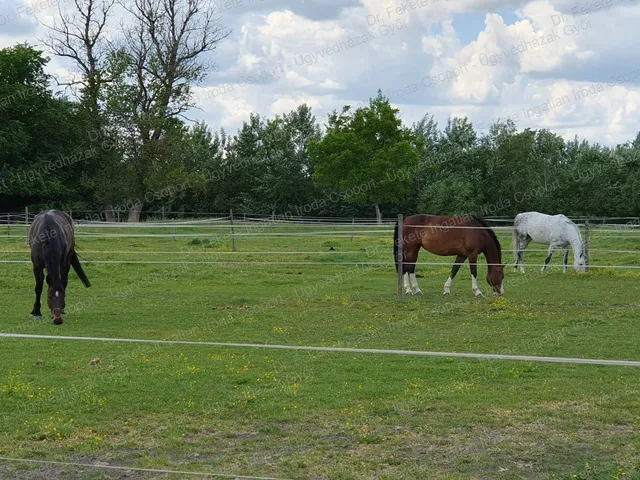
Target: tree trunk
[[378, 215], [134, 213]]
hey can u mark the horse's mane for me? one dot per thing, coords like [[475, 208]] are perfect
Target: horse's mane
[[491, 233]]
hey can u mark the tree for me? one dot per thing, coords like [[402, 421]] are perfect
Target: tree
[[80, 34], [366, 155], [39, 134], [455, 180], [160, 61]]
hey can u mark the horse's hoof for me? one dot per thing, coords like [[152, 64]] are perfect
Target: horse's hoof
[[418, 292], [479, 294], [446, 292], [408, 293], [35, 317]]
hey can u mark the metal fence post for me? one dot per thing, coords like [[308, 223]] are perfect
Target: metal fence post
[[233, 237], [586, 245], [400, 257]]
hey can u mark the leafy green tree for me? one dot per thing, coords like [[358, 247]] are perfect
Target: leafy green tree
[[455, 178], [40, 157], [366, 155]]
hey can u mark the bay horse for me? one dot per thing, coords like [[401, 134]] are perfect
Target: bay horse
[[52, 242], [556, 230], [446, 236]]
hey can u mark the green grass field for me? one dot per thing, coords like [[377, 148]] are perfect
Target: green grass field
[[317, 415]]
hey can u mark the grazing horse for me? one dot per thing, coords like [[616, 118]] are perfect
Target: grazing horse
[[557, 230], [52, 243], [448, 236]]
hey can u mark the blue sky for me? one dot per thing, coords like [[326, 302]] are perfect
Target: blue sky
[[478, 58]]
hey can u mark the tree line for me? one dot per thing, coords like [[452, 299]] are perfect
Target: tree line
[[118, 142]]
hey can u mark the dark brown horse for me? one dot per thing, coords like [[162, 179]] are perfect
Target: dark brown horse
[[52, 243], [448, 236]]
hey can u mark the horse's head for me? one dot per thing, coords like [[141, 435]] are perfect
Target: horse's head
[[579, 263], [55, 299], [495, 276]]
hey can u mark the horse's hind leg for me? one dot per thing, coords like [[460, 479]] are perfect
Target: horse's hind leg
[[522, 244], [565, 251], [38, 272], [409, 269], [473, 266], [454, 270], [412, 273]]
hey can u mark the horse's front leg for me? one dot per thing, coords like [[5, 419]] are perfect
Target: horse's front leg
[[65, 282], [454, 270], [552, 247], [566, 257], [473, 266], [38, 273]]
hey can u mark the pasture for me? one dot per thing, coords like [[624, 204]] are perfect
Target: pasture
[[316, 415]]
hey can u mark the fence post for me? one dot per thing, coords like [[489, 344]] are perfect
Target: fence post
[[586, 245], [353, 226], [400, 257], [173, 232], [8, 224], [26, 224], [233, 238]]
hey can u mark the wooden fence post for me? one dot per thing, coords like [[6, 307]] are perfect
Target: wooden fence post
[[233, 237], [586, 245], [400, 257]]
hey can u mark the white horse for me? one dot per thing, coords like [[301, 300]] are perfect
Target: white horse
[[556, 230]]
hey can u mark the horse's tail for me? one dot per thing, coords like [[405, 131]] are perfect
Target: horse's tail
[[75, 263]]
